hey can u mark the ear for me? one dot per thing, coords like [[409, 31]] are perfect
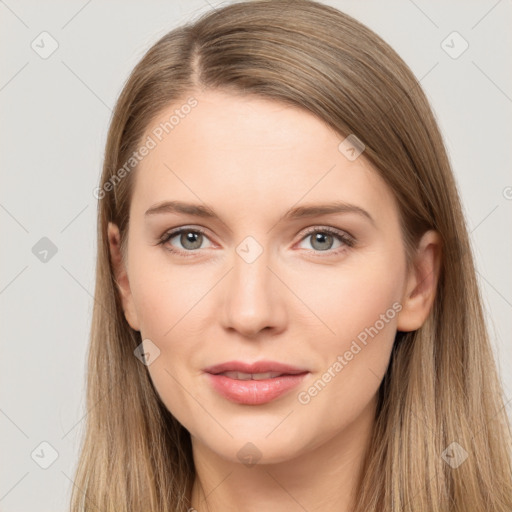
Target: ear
[[121, 276], [421, 283]]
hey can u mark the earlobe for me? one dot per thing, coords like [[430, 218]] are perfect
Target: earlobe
[[121, 276], [421, 283]]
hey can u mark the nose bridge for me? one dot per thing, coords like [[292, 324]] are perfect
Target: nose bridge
[[253, 302]]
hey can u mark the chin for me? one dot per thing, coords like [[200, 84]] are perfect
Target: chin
[[255, 446]]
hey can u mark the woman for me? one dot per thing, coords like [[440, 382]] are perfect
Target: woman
[[286, 314]]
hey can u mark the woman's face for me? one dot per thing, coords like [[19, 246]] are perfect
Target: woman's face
[[267, 278]]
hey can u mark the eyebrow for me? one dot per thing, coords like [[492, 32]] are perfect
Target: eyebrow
[[298, 212]]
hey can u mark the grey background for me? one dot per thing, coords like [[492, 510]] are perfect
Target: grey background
[[55, 115]]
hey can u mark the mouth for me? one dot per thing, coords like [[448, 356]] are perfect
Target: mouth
[[254, 384], [252, 376]]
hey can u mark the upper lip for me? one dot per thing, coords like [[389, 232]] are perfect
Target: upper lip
[[256, 367]]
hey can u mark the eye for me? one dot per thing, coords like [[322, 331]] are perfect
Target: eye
[[323, 239], [190, 240]]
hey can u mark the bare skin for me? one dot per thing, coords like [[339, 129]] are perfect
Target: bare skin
[[303, 301]]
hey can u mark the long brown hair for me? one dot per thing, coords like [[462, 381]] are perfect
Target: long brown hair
[[441, 386]]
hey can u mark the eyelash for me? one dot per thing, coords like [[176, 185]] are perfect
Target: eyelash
[[347, 240]]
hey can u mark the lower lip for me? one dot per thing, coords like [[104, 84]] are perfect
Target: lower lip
[[254, 392]]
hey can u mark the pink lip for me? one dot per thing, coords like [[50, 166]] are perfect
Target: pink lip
[[256, 367], [254, 392]]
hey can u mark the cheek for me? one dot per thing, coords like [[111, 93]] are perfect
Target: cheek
[[167, 320], [347, 300], [172, 383], [163, 294], [359, 308], [168, 304]]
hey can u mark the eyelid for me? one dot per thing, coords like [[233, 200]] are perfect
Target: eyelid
[[171, 233], [328, 229]]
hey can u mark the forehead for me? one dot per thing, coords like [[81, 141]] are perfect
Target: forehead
[[266, 153]]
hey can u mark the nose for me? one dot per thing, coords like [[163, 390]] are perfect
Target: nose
[[254, 298]]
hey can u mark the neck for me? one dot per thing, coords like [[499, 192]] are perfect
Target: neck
[[322, 477]]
